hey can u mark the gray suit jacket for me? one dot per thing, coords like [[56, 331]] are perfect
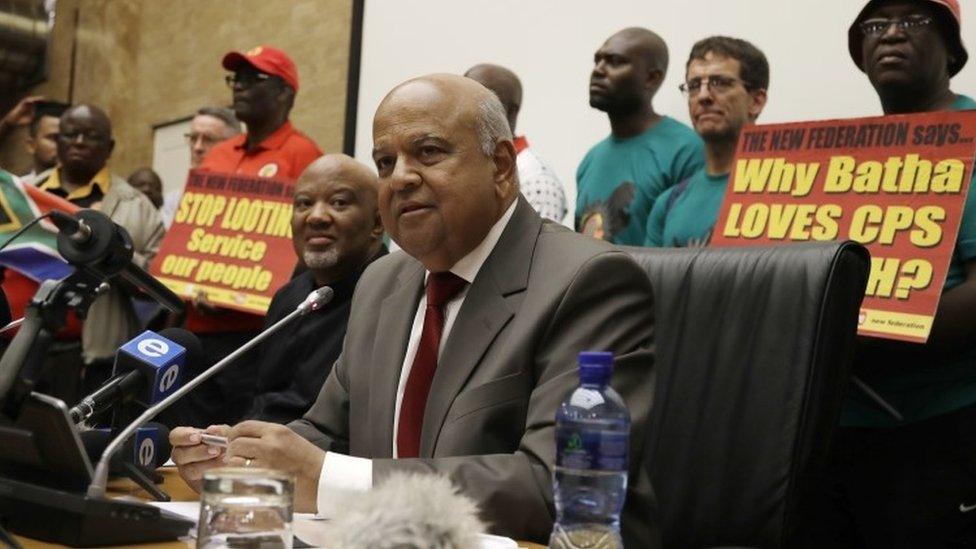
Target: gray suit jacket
[[544, 294]]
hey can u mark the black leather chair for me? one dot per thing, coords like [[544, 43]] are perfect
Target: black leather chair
[[753, 354]]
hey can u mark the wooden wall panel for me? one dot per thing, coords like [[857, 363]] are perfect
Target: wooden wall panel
[[148, 62]]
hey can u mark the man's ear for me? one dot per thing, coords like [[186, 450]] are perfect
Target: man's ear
[[757, 104], [655, 77], [111, 146], [31, 145], [506, 168], [378, 230], [287, 95]]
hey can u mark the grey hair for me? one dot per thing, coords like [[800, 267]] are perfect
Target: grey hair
[[223, 114], [492, 124]]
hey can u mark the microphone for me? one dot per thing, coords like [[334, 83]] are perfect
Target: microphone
[[77, 229], [315, 300], [406, 510], [142, 453], [114, 390], [147, 369], [11, 325], [91, 241], [148, 449]]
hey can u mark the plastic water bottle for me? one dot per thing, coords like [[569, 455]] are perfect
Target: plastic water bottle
[[592, 432]]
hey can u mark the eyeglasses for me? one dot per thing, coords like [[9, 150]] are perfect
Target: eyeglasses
[[191, 138], [911, 23], [86, 136], [246, 79], [716, 84]]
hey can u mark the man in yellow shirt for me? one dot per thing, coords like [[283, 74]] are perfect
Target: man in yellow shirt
[[83, 177]]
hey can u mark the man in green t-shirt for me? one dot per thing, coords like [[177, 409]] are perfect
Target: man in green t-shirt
[[725, 82], [902, 470], [620, 177]]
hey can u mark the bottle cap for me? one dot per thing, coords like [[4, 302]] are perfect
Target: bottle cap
[[595, 367]]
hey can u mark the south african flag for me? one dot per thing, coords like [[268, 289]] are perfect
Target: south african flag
[[34, 253]]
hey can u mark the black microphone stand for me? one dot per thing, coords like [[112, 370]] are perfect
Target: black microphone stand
[[22, 360], [103, 251], [141, 477], [45, 315]]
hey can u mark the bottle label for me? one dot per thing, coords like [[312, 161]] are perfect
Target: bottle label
[[590, 449]]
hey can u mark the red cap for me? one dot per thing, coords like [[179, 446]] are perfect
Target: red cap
[[266, 59], [953, 18]]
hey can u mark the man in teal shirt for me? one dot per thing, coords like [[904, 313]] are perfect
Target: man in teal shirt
[[725, 82], [907, 477], [620, 177]]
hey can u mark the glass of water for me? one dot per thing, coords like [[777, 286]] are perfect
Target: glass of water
[[246, 508]]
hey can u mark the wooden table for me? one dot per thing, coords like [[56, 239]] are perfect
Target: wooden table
[[179, 491]]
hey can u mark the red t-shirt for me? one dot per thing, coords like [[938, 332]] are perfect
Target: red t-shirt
[[282, 155]]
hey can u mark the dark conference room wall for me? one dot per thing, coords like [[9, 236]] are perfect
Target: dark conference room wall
[[150, 62]]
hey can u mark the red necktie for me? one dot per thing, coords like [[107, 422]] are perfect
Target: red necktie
[[441, 288]]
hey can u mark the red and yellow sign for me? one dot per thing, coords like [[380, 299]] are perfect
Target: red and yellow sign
[[896, 184], [231, 238]]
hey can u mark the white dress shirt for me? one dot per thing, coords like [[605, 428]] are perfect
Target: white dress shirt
[[343, 476]]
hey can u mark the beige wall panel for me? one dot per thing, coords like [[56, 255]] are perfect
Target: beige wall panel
[[149, 62]]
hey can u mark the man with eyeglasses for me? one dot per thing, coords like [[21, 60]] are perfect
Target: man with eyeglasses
[[264, 81], [84, 178], [264, 84], [725, 83], [209, 126], [620, 177], [910, 481]]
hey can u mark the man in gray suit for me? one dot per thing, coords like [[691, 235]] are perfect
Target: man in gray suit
[[462, 378]]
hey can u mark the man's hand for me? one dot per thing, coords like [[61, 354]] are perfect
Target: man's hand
[[192, 457], [274, 446], [21, 114]]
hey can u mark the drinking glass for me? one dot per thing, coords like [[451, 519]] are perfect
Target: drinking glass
[[246, 508]]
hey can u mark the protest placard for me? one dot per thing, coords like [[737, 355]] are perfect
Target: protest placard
[[896, 184], [231, 238]]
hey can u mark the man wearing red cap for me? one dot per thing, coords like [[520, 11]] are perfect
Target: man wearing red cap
[[264, 82], [906, 477]]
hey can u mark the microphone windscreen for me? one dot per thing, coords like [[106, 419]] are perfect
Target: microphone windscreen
[[407, 510], [189, 341], [95, 441], [195, 362], [150, 455], [163, 446]]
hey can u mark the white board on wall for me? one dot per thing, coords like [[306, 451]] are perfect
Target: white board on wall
[[550, 45], [171, 155]]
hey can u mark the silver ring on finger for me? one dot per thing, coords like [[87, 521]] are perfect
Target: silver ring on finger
[[247, 462]]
